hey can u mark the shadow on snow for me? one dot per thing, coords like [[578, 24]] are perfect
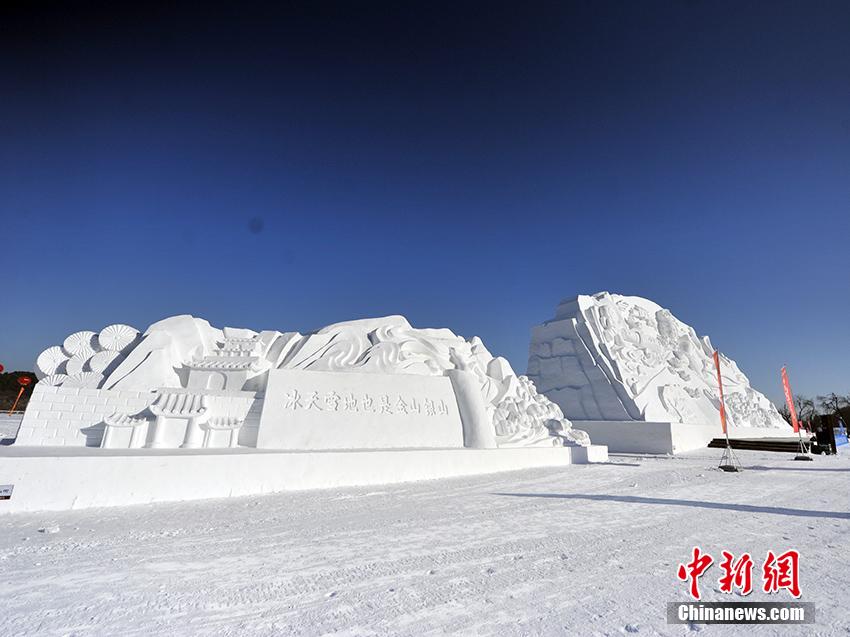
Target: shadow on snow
[[632, 499], [761, 468]]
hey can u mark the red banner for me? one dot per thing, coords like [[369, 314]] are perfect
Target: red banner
[[789, 400], [720, 385]]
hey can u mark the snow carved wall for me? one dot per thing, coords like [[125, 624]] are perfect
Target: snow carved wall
[[187, 368], [74, 417]]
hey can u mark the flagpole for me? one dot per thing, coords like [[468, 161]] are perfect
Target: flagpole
[[789, 400], [728, 461], [15, 404]]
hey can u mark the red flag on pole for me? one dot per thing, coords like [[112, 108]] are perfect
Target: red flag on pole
[[720, 385], [789, 400]]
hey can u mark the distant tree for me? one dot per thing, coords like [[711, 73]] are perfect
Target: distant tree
[[833, 403], [805, 407], [845, 413]]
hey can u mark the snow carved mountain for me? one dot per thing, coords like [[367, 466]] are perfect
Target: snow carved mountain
[[613, 357]]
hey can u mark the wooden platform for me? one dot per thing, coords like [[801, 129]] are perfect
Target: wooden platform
[[779, 445]]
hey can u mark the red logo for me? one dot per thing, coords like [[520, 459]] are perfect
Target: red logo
[[778, 572], [737, 573], [694, 569], [782, 571]]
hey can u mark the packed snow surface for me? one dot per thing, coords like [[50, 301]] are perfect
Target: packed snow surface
[[584, 550], [9, 425]]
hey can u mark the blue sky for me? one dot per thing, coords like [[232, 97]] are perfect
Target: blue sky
[[466, 165]]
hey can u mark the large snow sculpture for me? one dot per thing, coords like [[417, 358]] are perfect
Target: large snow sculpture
[[184, 383], [619, 358]]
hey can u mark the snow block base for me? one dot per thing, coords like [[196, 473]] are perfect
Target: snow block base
[[637, 436], [60, 479]]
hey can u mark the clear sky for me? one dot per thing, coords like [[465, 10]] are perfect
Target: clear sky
[[290, 165]]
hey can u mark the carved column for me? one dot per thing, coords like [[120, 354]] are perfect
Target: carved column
[[478, 431]]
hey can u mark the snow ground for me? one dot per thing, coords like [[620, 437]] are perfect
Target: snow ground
[[9, 425], [583, 550]]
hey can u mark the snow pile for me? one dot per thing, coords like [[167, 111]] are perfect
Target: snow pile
[[613, 357]]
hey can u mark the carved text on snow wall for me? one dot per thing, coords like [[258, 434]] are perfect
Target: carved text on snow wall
[[389, 404], [350, 410]]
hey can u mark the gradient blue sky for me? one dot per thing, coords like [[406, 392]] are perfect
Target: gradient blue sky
[[466, 165]]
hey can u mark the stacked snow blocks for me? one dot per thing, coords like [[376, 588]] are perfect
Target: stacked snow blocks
[[563, 368], [72, 417]]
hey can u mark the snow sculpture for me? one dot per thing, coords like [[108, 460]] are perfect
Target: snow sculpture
[[225, 428], [117, 338], [190, 410], [50, 362], [186, 384], [620, 358], [124, 432], [86, 353]]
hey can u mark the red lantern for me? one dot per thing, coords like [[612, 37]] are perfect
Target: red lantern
[[1, 368], [24, 382]]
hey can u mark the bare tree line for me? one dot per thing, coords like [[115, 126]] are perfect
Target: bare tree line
[[812, 410]]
